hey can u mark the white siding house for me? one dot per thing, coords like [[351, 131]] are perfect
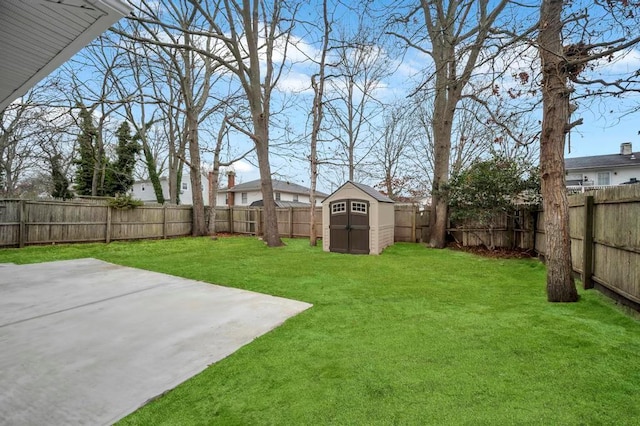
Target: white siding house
[[143, 190], [601, 171], [286, 194]]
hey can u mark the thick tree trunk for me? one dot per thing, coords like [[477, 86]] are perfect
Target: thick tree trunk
[[271, 234], [555, 97], [199, 223], [442, 125]]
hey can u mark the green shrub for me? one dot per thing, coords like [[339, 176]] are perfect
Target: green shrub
[[124, 202]]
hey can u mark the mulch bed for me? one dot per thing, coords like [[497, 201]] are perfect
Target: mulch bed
[[498, 253]]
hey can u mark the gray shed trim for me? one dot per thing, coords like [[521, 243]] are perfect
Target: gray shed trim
[[377, 195], [39, 36]]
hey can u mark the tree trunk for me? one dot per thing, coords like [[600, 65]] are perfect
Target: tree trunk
[[318, 88], [271, 234], [442, 125], [555, 98], [213, 194], [199, 223], [153, 172]]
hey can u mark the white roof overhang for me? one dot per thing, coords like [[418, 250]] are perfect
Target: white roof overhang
[[40, 35]]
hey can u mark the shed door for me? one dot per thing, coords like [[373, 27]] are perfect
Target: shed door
[[349, 226]]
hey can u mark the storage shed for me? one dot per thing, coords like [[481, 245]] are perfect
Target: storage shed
[[357, 219]]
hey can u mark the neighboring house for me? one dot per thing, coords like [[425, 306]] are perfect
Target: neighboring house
[[601, 171], [143, 190], [286, 194], [39, 36]]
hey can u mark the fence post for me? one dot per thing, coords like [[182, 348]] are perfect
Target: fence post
[[22, 236], [290, 222], [164, 221], [231, 219], [259, 222], [414, 211], [587, 243], [107, 232]]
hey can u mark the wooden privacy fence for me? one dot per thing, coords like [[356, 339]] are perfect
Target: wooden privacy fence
[[24, 222], [605, 239], [514, 230], [410, 224]]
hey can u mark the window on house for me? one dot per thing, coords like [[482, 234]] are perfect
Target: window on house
[[184, 185], [277, 196], [295, 198], [338, 207], [357, 207], [604, 178], [244, 198]]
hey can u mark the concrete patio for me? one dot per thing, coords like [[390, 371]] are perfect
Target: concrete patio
[[88, 342]]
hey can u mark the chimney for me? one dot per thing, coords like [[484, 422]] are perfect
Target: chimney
[[231, 182], [626, 149]]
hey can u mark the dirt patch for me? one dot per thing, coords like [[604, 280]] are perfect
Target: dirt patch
[[499, 253]]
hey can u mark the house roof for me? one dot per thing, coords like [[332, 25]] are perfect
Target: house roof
[[377, 195], [280, 203], [603, 161], [278, 185], [39, 36]]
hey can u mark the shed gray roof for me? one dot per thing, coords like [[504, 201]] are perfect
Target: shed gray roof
[[278, 185], [39, 36], [377, 195], [602, 161]]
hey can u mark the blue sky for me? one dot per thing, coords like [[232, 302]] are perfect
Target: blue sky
[[604, 128]]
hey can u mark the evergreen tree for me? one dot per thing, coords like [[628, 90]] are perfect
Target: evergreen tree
[[85, 158], [119, 178], [60, 181]]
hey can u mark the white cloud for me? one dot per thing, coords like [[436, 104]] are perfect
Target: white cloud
[[623, 62], [295, 82], [242, 166]]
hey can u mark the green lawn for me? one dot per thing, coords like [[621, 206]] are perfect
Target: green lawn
[[414, 336]]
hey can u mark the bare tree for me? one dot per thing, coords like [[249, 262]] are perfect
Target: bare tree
[[217, 164], [22, 126], [391, 152], [99, 96], [358, 65], [251, 31], [317, 112], [567, 45], [458, 32], [190, 55]]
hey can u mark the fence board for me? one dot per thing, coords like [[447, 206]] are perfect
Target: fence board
[[616, 239], [9, 222], [47, 222]]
